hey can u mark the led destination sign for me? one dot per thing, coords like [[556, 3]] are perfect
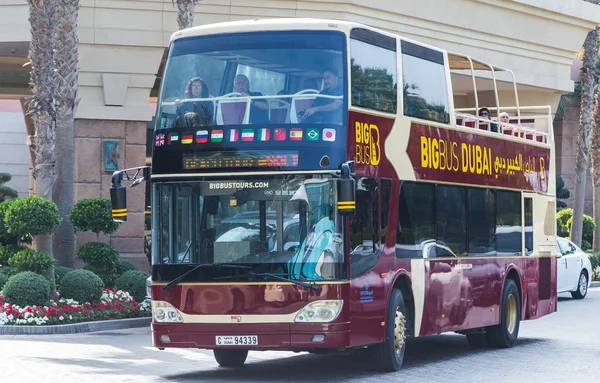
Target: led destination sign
[[245, 159]]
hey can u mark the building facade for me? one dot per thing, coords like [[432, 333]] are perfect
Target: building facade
[[122, 46]]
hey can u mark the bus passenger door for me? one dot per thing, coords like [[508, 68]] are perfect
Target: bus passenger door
[[441, 311]]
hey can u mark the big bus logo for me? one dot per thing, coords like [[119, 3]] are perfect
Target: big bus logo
[[368, 151]]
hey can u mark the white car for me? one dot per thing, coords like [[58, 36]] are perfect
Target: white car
[[574, 269]]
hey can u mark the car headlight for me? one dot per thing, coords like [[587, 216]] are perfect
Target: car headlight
[[323, 311], [164, 312]]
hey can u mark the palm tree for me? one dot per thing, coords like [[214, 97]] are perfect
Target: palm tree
[[41, 105], [590, 58], [67, 55], [185, 13], [595, 157]]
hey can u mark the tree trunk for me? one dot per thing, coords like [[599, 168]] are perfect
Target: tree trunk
[[41, 105], [66, 43], [590, 57], [185, 13]]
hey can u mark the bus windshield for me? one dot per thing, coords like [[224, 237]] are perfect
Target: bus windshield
[[286, 227], [275, 77]]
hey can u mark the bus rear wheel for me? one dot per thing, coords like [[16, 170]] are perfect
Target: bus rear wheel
[[505, 334], [389, 355], [230, 358]]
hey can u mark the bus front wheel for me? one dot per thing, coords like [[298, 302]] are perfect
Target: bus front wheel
[[505, 334], [389, 355], [230, 358]]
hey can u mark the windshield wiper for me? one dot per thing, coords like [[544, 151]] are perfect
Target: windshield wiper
[[179, 278], [308, 285]]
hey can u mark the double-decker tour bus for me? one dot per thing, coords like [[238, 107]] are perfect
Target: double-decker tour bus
[[301, 203]]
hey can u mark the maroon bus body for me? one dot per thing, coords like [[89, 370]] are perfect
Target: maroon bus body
[[475, 298]]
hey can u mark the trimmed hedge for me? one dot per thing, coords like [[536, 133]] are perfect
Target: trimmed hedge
[[82, 286], [97, 253], [134, 282], [108, 274], [124, 265], [7, 251], [30, 260], [3, 279], [27, 289], [60, 271]]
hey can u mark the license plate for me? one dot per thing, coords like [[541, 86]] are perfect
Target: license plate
[[236, 340]]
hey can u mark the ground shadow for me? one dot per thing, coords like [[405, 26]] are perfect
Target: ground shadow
[[320, 368]]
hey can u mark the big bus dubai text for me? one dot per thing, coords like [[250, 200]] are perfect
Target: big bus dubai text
[[315, 187]]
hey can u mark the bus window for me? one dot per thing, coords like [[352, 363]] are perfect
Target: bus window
[[482, 222], [373, 72], [528, 226], [450, 219], [424, 87], [416, 220], [203, 86], [508, 223], [385, 192], [364, 228]]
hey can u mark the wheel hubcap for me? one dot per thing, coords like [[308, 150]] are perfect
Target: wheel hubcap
[[582, 284], [511, 313], [399, 330]]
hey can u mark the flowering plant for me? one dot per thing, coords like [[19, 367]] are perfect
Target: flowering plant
[[114, 304], [596, 274]]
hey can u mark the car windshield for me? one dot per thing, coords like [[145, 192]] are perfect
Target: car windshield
[[273, 78], [288, 227]]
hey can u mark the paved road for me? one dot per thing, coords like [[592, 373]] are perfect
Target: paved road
[[563, 347]]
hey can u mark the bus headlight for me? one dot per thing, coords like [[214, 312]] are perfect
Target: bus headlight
[[320, 311], [164, 312]]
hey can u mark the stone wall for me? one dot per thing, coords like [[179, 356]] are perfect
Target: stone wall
[[93, 180], [566, 130]]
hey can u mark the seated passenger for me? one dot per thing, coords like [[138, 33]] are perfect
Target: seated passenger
[[259, 109], [485, 113], [326, 110], [201, 110], [504, 117], [309, 83]]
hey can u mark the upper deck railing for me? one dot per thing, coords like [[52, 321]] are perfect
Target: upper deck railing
[[533, 127]]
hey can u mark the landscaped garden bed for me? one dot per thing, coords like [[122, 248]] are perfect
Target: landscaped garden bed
[[114, 304]]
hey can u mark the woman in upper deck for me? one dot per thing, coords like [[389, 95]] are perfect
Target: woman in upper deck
[[202, 110]]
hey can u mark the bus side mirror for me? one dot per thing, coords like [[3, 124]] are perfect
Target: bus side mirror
[[346, 192], [118, 198]]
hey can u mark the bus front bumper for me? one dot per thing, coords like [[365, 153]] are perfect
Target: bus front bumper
[[269, 336]]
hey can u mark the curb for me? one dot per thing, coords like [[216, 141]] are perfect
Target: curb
[[595, 284], [74, 328]]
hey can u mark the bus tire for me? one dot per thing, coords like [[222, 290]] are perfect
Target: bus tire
[[389, 355], [505, 334], [227, 357]]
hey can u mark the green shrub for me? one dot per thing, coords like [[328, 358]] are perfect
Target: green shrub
[[124, 265], [588, 229], [3, 279], [595, 259], [98, 254], [82, 286], [27, 289], [585, 245], [30, 260], [108, 274], [31, 215], [59, 272], [94, 214], [134, 282], [564, 215], [7, 251]]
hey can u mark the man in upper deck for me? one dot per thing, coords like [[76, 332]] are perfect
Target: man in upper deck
[[259, 109], [327, 110]]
